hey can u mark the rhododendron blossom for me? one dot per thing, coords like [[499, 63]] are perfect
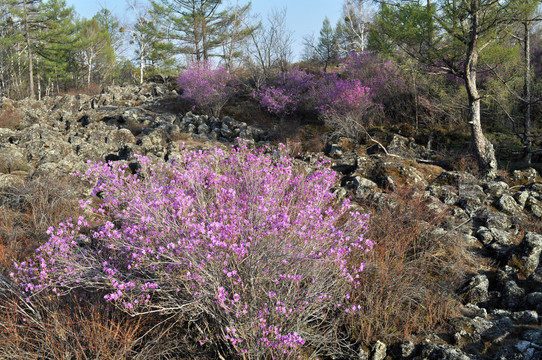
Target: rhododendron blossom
[[243, 242], [208, 88]]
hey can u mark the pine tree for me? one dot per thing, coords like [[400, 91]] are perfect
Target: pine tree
[[23, 16], [95, 47], [55, 43], [326, 50], [450, 35], [198, 28]]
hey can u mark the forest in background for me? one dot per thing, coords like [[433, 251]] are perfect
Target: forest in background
[[286, 266], [428, 64]]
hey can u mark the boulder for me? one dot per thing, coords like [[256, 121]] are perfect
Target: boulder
[[477, 290], [525, 317], [509, 205], [378, 352], [8, 180], [442, 352], [496, 188], [406, 147], [512, 295], [526, 256]]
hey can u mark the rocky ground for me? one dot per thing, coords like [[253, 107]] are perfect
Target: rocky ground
[[502, 303]]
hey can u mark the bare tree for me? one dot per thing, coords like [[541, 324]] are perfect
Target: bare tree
[[236, 33], [142, 34], [356, 15], [272, 45], [464, 28]]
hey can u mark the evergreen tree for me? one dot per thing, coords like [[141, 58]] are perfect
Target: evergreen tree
[[23, 17], [96, 50], [451, 36], [326, 50], [199, 28], [38, 38], [55, 43]]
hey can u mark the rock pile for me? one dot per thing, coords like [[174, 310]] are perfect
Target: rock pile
[[503, 308], [58, 135]]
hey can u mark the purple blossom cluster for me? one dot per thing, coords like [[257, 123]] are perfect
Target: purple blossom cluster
[[325, 93], [244, 242], [208, 88], [286, 93], [340, 97], [383, 77]]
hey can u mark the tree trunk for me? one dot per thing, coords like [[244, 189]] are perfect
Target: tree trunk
[[483, 149], [527, 136], [89, 71], [141, 67], [39, 87], [204, 44], [30, 60]]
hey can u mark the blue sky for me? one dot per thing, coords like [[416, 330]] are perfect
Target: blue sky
[[303, 17]]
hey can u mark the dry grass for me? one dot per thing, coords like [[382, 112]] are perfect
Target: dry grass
[[28, 210], [91, 89], [10, 115], [59, 330], [466, 163], [409, 283], [407, 288]]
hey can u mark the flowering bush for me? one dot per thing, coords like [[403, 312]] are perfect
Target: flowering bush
[[207, 88], [383, 77], [342, 96], [277, 101], [258, 255], [286, 93], [328, 94]]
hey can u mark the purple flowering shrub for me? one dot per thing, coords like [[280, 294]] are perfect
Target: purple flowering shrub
[[344, 104], [208, 88], [383, 77], [333, 98], [258, 255], [338, 96], [285, 94]]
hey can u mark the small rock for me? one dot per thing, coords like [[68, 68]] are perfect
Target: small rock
[[536, 275], [495, 220], [500, 313], [203, 129], [526, 255], [407, 349], [442, 352], [477, 289], [533, 335], [529, 317], [345, 164], [9, 180], [521, 197], [536, 210], [512, 295], [473, 311], [379, 351], [527, 349], [496, 188], [363, 354], [335, 151], [526, 176], [507, 204], [534, 298], [499, 331], [484, 235]]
